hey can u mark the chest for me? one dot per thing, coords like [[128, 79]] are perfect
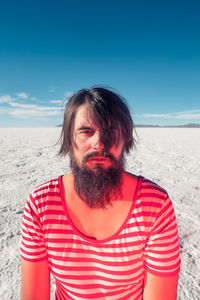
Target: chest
[[99, 268], [100, 223]]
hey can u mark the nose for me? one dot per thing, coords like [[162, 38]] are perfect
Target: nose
[[97, 142]]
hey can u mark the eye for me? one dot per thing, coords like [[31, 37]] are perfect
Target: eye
[[86, 132]]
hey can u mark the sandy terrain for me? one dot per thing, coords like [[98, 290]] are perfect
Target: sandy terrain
[[168, 156]]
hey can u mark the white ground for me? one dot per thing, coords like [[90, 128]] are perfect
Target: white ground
[[170, 157]]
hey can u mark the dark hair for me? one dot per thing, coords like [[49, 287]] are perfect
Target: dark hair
[[108, 110]]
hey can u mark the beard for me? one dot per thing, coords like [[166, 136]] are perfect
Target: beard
[[97, 186]]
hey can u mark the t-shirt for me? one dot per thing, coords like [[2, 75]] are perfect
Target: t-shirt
[[113, 268]]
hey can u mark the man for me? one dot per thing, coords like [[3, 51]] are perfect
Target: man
[[103, 233]]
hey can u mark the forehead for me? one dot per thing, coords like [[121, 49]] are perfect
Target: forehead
[[83, 117]]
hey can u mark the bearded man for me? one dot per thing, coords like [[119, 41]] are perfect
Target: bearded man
[[102, 232]]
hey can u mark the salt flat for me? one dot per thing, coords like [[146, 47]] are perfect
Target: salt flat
[[168, 156]]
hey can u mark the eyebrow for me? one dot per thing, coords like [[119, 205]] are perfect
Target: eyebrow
[[84, 128]]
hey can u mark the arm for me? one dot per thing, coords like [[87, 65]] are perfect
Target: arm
[[157, 287], [35, 283]]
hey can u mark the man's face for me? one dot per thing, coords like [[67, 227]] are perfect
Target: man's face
[[97, 173], [87, 144]]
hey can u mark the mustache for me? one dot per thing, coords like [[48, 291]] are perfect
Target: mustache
[[96, 153]]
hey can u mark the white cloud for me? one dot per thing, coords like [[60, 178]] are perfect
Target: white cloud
[[27, 110], [190, 114], [156, 115], [15, 104], [37, 107], [6, 99], [57, 101], [3, 111], [187, 116], [22, 95], [25, 113], [33, 98]]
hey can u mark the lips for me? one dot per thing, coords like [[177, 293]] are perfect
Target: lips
[[99, 159]]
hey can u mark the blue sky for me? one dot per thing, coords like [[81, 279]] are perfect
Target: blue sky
[[149, 51]]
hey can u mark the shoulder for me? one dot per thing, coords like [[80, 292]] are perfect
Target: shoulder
[[150, 197], [146, 186], [152, 188], [45, 190], [153, 206], [44, 197]]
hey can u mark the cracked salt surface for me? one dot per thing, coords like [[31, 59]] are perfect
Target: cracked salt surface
[[168, 156]]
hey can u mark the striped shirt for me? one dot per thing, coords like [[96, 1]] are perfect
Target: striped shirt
[[113, 268]]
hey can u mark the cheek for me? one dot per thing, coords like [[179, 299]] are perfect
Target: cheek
[[81, 144], [80, 148]]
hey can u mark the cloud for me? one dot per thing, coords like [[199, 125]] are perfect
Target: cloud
[[156, 115], [25, 113], [22, 95], [16, 108], [35, 106], [190, 114], [187, 116], [33, 110], [57, 101], [6, 99], [15, 104], [3, 111]]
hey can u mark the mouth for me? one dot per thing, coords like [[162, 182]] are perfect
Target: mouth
[[95, 159], [98, 159]]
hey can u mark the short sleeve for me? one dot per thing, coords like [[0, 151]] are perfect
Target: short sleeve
[[162, 251], [32, 244]]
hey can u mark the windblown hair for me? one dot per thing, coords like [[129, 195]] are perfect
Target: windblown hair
[[109, 112]]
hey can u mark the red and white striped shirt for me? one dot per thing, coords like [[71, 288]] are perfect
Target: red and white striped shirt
[[113, 268]]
